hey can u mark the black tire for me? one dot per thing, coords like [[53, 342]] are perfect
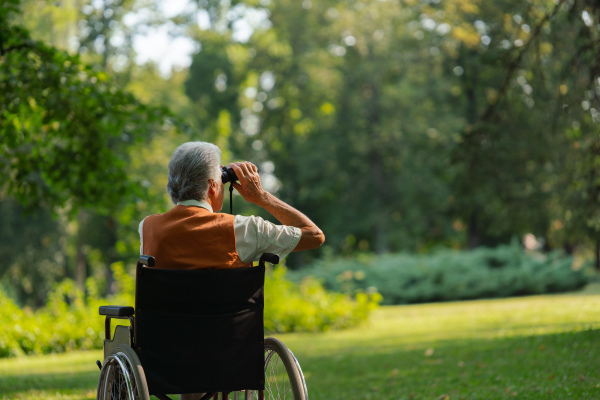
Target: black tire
[[283, 376], [122, 377]]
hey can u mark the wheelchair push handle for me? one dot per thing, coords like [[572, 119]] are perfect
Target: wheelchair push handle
[[268, 257], [147, 260]]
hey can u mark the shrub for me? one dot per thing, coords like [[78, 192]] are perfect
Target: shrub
[[449, 275], [70, 320], [308, 307], [13, 322]]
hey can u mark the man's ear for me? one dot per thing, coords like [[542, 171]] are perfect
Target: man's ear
[[213, 186]]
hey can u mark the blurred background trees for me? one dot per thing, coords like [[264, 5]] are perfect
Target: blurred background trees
[[396, 125]]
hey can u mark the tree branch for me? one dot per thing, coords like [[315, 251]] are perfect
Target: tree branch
[[491, 108], [17, 47]]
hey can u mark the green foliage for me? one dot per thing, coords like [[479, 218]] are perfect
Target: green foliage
[[13, 317], [66, 323], [539, 347], [70, 135], [211, 83], [307, 306], [457, 123], [450, 275], [65, 128], [395, 128], [70, 319], [32, 252]]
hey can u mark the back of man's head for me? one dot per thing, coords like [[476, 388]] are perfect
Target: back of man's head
[[192, 165]]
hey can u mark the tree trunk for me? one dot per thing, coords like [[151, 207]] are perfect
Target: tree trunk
[[381, 242], [112, 254], [80, 263], [470, 80], [474, 235], [376, 164], [597, 253], [568, 248]]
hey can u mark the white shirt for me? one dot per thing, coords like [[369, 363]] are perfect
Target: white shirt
[[253, 235]]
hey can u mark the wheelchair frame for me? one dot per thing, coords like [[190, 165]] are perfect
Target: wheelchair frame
[[122, 374]]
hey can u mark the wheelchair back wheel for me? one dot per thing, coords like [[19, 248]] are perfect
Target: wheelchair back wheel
[[122, 377], [283, 376]]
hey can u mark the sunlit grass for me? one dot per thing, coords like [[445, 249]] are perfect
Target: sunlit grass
[[529, 348], [57, 376], [539, 347]]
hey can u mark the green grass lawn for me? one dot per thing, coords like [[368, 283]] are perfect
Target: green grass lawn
[[539, 347]]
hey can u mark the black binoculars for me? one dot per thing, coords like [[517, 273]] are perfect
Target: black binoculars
[[228, 175]]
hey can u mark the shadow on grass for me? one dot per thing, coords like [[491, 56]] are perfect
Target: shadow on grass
[[555, 366], [80, 385], [12, 386]]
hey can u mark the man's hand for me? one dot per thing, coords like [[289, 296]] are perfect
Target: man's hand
[[249, 186], [251, 189]]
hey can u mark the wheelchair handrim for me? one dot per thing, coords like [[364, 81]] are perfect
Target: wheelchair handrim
[[301, 375], [110, 363]]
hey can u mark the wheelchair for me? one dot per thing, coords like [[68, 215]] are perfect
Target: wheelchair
[[196, 331]]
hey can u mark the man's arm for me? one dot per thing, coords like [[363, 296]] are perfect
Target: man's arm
[[251, 190]]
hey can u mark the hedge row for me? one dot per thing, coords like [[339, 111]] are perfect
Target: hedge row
[[70, 320], [449, 275]]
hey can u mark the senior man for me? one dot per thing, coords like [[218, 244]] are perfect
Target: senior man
[[192, 235]]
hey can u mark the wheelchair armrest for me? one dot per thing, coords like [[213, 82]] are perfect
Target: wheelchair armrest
[[117, 311]]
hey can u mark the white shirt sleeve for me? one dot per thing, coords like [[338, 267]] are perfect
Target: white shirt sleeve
[[255, 236], [141, 232]]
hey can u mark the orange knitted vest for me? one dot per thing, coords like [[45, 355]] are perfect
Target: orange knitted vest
[[191, 238]]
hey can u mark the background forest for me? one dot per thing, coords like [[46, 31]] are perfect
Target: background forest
[[397, 126]]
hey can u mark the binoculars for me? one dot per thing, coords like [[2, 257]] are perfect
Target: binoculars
[[228, 175]]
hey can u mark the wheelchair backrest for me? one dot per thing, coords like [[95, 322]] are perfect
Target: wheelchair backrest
[[200, 330]]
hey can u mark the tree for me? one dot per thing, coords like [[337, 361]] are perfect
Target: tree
[[352, 124], [67, 131], [63, 126], [397, 125], [525, 159]]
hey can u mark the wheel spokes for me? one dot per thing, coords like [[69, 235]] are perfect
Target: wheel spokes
[[277, 380], [119, 383]]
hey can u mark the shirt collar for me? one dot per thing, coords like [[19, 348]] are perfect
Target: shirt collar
[[196, 203]]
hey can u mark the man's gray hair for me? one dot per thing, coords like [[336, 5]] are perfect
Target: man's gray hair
[[192, 165]]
